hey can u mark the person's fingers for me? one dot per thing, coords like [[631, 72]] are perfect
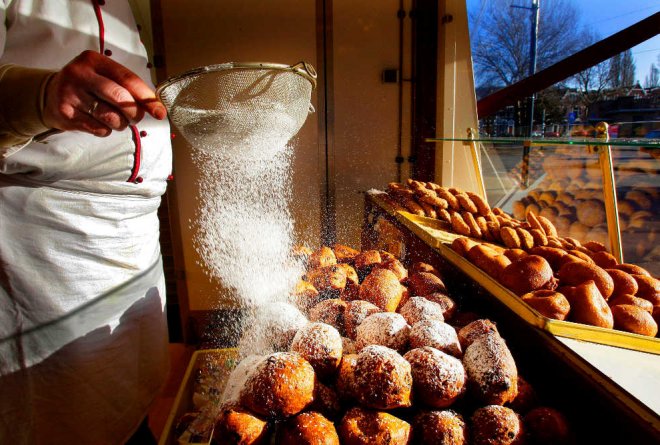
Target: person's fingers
[[107, 115], [142, 93], [85, 122]]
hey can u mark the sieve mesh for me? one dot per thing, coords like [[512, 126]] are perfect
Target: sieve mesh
[[238, 104]]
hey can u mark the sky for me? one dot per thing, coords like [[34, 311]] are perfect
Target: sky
[[607, 17]]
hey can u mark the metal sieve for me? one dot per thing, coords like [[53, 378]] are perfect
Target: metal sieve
[[239, 103]]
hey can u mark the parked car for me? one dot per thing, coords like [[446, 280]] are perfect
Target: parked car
[[653, 134]]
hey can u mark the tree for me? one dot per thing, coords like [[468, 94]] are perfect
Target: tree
[[652, 80], [622, 70], [591, 84], [501, 39]]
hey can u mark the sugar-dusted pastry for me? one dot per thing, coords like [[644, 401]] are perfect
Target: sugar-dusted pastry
[[441, 427], [355, 313], [282, 385], [321, 345], [438, 378], [436, 334], [496, 425], [420, 308], [362, 426], [383, 328], [382, 378], [309, 428], [382, 288]]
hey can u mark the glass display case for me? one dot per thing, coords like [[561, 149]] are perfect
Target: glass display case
[[591, 189]]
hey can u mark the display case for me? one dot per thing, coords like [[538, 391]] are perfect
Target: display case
[[591, 188], [622, 379]]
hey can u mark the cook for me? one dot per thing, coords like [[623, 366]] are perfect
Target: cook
[[84, 157]]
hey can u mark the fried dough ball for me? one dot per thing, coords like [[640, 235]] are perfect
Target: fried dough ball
[[475, 329], [436, 334], [382, 378], [424, 283], [552, 255], [462, 245], [345, 384], [491, 370], [527, 274], [448, 305], [382, 288], [632, 269], [332, 312], [236, 425], [420, 308], [394, 266], [322, 257], [488, 259], [331, 279], [631, 299], [425, 267], [365, 261], [496, 425], [344, 254], [305, 295], [649, 288], [526, 399], [575, 273], [321, 345], [438, 378], [361, 426], [549, 303], [355, 313], [604, 259], [588, 305], [624, 283], [444, 427], [634, 319], [547, 426], [310, 428], [326, 401], [383, 328], [281, 386]]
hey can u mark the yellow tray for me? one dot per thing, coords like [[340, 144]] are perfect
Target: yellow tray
[[433, 232], [183, 403]]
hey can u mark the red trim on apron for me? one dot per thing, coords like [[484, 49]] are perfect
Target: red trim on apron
[[99, 18], [137, 154]]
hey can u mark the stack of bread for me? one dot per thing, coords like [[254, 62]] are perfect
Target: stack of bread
[[571, 197], [571, 281], [386, 358]]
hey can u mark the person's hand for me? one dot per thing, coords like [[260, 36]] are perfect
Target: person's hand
[[95, 94]]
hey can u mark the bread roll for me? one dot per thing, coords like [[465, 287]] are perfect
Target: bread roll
[[331, 312], [649, 288], [604, 259], [462, 245], [488, 260], [468, 333]]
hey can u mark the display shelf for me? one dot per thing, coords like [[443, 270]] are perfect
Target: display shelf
[[540, 142]]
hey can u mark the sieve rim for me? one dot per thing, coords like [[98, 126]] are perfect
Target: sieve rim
[[302, 68]]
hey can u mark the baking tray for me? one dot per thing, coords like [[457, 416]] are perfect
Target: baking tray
[[226, 359], [434, 233]]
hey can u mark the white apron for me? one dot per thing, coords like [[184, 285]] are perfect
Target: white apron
[[83, 338]]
